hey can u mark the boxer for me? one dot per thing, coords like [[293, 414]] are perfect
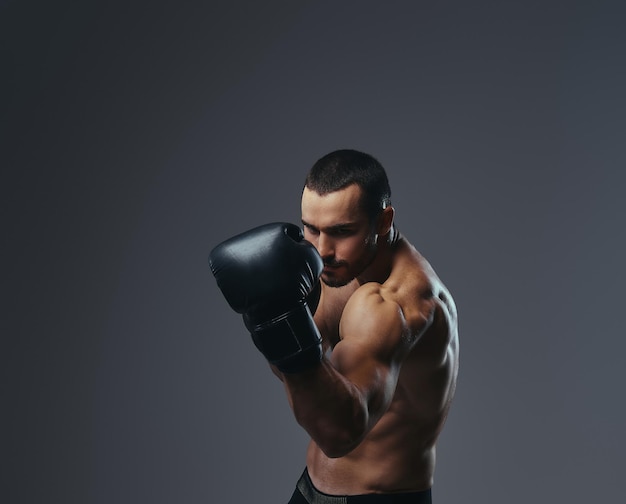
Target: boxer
[[360, 329]]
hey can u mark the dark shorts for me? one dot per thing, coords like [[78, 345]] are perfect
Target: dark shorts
[[306, 493]]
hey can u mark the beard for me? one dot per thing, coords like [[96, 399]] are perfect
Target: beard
[[335, 281]]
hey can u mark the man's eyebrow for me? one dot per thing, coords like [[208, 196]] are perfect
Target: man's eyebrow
[[334, 227], [342, 225]]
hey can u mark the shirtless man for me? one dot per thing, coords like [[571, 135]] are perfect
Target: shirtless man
[[372, 379]]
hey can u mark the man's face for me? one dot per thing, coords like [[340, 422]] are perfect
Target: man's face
[[341, 232]]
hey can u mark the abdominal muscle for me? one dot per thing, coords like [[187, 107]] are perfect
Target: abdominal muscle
[[393, 457]]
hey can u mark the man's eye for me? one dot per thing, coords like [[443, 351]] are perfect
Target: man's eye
[[311, 230]]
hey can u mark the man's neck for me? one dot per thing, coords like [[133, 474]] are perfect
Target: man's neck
[[380, 268]]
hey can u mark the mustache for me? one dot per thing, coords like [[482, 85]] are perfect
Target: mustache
[[332, 263]]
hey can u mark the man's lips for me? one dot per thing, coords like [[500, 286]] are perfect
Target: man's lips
[[332, 266]]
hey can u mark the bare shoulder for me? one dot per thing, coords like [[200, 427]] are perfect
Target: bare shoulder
[[425, 301], [370, 316]]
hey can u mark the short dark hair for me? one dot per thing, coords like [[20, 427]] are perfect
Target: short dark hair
[[344, 167]]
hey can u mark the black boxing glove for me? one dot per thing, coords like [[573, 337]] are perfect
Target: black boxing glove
[[270, 275]]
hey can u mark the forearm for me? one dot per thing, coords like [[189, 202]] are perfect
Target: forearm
[[333, 410]]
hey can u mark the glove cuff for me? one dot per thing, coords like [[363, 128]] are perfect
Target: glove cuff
[[290, 341]]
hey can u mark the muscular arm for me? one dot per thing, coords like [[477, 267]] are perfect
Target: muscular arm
[[340, 401]]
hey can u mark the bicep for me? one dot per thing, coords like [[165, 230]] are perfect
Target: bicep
[[374, 340]]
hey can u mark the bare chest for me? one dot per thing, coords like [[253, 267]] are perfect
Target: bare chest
[[328, 314]]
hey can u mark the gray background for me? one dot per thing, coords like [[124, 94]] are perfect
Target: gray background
[[137, 135]]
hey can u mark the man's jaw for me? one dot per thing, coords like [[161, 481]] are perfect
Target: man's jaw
[[330, 277]]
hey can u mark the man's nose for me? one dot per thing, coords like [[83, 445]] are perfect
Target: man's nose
[[325, 247]]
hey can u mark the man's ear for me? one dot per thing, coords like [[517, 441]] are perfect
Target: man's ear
[[385, 221]]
